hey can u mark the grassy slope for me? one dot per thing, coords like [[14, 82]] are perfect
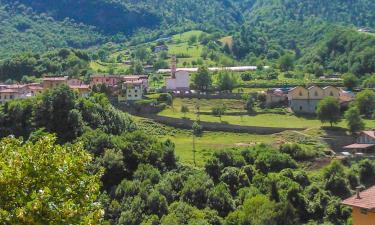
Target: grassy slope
[[211, 142], [265, 120]]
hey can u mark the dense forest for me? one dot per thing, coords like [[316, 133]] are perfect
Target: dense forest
[[29, 24]]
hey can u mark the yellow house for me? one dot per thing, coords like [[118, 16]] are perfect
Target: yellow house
[[8, 95], [53, 82], [363, 207]]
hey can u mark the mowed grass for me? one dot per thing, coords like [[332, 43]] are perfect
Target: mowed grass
[[262, 120], [211, 142]]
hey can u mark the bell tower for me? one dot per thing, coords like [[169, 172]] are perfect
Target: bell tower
[[173, 66]]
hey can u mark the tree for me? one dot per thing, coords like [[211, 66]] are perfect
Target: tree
[[354, 120], [350, 81], [365, 102], [226, 81], [286, 62], [197, 132], [220, 199], [258, 210], [328, 110], [184, 110], [202, 80], [218, 111], [193, 39], [52, 183], [249, 105]]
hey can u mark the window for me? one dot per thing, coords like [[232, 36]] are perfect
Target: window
[[331, 93], [11, 96], [300, 93], [136, 91], [364, 211], [136, 96], [316, 93], [300, 108]]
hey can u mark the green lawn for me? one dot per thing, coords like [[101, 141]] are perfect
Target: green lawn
[[263, 120], [211, 142]]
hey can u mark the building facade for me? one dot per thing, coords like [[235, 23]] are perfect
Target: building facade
[[305, 100], [131, 91], [53, 82], [365, 143], [179, 80], [363, 207]]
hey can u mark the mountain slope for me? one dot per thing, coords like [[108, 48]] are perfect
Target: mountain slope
[[22, 30]]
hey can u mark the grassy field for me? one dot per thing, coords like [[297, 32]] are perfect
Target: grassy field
[[263, 120], [211, 142], [180, 45]]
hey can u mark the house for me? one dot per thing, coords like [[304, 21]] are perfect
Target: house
[[53, 82], [276, 96], [131, 91], [365, 143], [179, 79], [132, 78], [107, 80], [8, 95], [305, 100], [74, 82], [34, 89], [363, 206], [82, 89], [160, 48]]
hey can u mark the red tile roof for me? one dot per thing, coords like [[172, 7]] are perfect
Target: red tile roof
[[366, 200]]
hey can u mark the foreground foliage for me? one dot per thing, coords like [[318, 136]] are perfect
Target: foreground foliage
[[45, 183]]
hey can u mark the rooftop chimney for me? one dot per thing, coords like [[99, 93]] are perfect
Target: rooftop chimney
[[358, 191]]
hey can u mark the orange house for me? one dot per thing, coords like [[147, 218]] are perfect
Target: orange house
[[363, 205]]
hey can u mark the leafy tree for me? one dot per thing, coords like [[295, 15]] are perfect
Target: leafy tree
[[328, 110], [193, 39], [369, 82], [202, 80], [195, 191], [220, 199], [257, 210], [184, 110], [350, 81], [226, 81], [218, 111], [366, 172], [365, 101], [286, 62], [65, 181], [354, 120], [249, 105]]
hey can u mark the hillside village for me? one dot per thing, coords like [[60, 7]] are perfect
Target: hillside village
[[196, 112]]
